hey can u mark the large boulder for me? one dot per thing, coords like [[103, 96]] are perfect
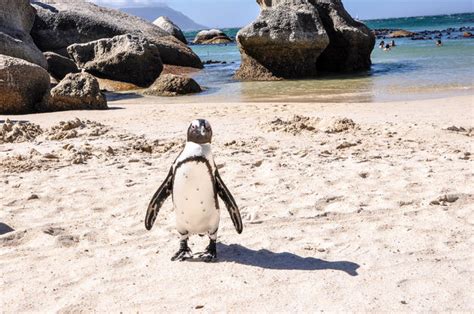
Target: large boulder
[[173, 85], [16, 20], [212, 37], [77, 91], [299, 38], [285, 41], [126, 58], [59, 66], [171, 28], [23, 85], [350, 42], [60, 25]]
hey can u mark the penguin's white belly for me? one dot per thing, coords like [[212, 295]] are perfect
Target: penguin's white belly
[[193, 196]]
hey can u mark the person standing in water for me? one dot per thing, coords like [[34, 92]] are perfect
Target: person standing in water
[[392, 44]]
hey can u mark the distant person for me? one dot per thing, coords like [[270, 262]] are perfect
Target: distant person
[[392, 44], [382, 44], [439, 43], [387, 47]]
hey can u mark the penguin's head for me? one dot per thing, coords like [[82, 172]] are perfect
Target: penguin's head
[[200, 132]]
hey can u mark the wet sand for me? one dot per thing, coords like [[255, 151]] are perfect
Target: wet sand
[[346, 207]]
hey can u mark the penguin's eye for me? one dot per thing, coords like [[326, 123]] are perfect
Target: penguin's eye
[[193, 127]]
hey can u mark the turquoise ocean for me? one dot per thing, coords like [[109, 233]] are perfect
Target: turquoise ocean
[[415, 69]]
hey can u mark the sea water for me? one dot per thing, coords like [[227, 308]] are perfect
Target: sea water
[[414, 69]]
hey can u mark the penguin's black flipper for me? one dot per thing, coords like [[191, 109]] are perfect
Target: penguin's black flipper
[[229, 201], [158, 199]]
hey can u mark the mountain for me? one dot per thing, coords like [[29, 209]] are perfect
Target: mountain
[[152, 13]]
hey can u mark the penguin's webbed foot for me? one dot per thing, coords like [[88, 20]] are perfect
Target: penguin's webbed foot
[[210, 254], [184, 252], [182, 255]]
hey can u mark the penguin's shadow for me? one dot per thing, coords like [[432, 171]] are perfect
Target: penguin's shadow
[[280, 261]]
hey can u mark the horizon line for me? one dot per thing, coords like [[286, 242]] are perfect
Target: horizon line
[[367, 20], [158, 5]]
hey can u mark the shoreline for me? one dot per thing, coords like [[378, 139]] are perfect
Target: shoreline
[[210, 95], [179, 112], [138, 102], [337, 202]]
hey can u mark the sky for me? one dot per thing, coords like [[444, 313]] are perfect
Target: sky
[[229, 13]]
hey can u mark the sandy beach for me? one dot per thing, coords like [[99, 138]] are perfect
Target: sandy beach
[[359, 207]]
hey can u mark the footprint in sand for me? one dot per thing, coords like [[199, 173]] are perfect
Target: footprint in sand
[[67, 240], [54, 231], [13, 238], [62, 240]]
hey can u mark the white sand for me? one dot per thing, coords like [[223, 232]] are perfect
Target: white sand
[[326, 229]]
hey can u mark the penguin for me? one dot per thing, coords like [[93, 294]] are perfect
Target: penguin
[[194, 183]]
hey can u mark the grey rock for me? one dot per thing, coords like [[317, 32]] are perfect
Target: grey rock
[[173, 85], [168, 26], [60, 25], [212, 37], [77, 91], [299, 38], [16, 20], [126, 58], [23, 85], [350, 41], [59, 66], [444, 199], [284, 42], [450, 198]]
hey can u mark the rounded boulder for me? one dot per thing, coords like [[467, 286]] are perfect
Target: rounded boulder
[[173, 85], [77, 91], [23, 86]]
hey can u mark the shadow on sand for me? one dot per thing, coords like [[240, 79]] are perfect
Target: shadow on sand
[[4, 228], [111, 96], [14, 121], [282, 261]]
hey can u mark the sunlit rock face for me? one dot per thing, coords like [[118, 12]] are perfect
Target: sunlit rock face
[[16, 20], [24, 86], [61, 24], [285, 41], [299, 38]]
